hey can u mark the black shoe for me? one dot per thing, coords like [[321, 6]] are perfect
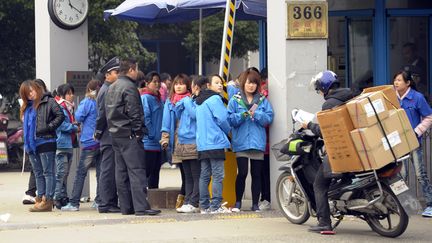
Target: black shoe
[[128, 213], [110, 210], [318, 228], [58, 204], [151, 212]]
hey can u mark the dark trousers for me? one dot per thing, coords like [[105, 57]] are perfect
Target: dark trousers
[[153, 166], [183, 178], [131, 177], [192, 171], [265, 179], [321, 187], [242, 172], [31, 190], [107, 180]]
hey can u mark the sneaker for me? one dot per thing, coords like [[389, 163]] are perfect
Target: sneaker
[[255, 208], [427, 212], [94, 205], [236, 208], [191, 209], [221, 209], [27, 199], [70, 207], [183, 208], [264, 205], [205, 211]]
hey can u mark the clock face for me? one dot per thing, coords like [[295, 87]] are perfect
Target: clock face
[[68, 14]]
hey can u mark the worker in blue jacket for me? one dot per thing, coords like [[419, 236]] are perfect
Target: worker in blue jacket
[[212, 140], [249, 114], [86, 115], [153, 110]]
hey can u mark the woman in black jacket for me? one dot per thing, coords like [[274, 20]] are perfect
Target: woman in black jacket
[[42, 122]]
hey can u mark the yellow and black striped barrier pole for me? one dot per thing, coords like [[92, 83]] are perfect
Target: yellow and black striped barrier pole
[[227, 42], [230, 165]]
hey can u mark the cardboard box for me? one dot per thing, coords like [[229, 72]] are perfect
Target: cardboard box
[[335, 127], [391, 101], [373, 148], [361, 111]]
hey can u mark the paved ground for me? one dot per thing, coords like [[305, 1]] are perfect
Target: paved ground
[[89, 226]]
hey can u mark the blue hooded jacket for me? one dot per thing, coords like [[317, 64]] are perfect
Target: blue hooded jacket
[[212, 122], [186, 112], [169, 122], [64, 131], [153, 111], [86, 114], [29, 128], [249, 133]]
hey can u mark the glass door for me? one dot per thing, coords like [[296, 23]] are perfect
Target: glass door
[[408, 49], [350, 53]]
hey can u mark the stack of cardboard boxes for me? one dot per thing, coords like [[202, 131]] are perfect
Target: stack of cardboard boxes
[[368, 132]]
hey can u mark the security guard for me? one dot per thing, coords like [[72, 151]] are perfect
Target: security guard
[[107, 183], [124, 112]]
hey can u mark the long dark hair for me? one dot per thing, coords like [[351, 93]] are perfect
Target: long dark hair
[[407, 78]]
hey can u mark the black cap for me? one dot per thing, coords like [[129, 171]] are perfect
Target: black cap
[[112, 64]]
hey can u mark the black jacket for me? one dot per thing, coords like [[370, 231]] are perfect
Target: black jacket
[[124, 110], [334, 98], [101, 130], [48, 118]]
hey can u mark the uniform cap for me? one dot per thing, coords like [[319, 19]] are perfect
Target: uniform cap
[[112, 64]]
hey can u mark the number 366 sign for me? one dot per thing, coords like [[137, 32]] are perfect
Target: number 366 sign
[[307, 20]]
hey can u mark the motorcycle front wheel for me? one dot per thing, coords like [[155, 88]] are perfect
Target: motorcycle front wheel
[[392, 223], [291, 199]]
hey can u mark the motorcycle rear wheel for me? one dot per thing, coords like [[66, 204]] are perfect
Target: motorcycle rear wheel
[[383, 224], [296, 209]]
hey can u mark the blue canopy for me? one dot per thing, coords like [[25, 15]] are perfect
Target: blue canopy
[[174, 11]]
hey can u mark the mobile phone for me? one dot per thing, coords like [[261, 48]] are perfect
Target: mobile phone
[[253, 108]]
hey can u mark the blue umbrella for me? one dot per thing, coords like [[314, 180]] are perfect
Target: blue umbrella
[[175, 11]]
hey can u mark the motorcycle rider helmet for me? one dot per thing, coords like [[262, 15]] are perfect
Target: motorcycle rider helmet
[[324, 80]]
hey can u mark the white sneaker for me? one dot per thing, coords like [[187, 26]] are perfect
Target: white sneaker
[[27, 199], [191, 209], [264, 205], [221, 209], [235, 210], [427, 212], [205, 211], [183, 208]]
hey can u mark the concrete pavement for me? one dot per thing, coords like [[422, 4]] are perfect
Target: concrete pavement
[[89, 226]]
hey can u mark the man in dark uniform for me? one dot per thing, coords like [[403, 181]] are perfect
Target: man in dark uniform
[[125, 115], [107, 183]]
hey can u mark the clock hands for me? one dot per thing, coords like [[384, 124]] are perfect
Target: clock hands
[[72, 6]]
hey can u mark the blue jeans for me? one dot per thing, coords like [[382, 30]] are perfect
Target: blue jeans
[[421, 174], [63, 161], [214, 168], [87, 158], [43, 167]]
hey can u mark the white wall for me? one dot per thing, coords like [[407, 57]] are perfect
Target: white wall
[[58, 50], [292, 64]]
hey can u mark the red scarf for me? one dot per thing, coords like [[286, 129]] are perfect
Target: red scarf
[[177, 97], [156, 93]]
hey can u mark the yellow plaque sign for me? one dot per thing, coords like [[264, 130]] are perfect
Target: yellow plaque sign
[[307, 20]]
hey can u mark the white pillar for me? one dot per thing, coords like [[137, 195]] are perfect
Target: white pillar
[[291, 65], [58, 50]]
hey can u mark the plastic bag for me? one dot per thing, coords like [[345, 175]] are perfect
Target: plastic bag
[[276, 149]]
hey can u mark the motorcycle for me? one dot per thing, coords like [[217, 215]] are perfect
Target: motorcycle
[[11, 140], [370, 195]]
